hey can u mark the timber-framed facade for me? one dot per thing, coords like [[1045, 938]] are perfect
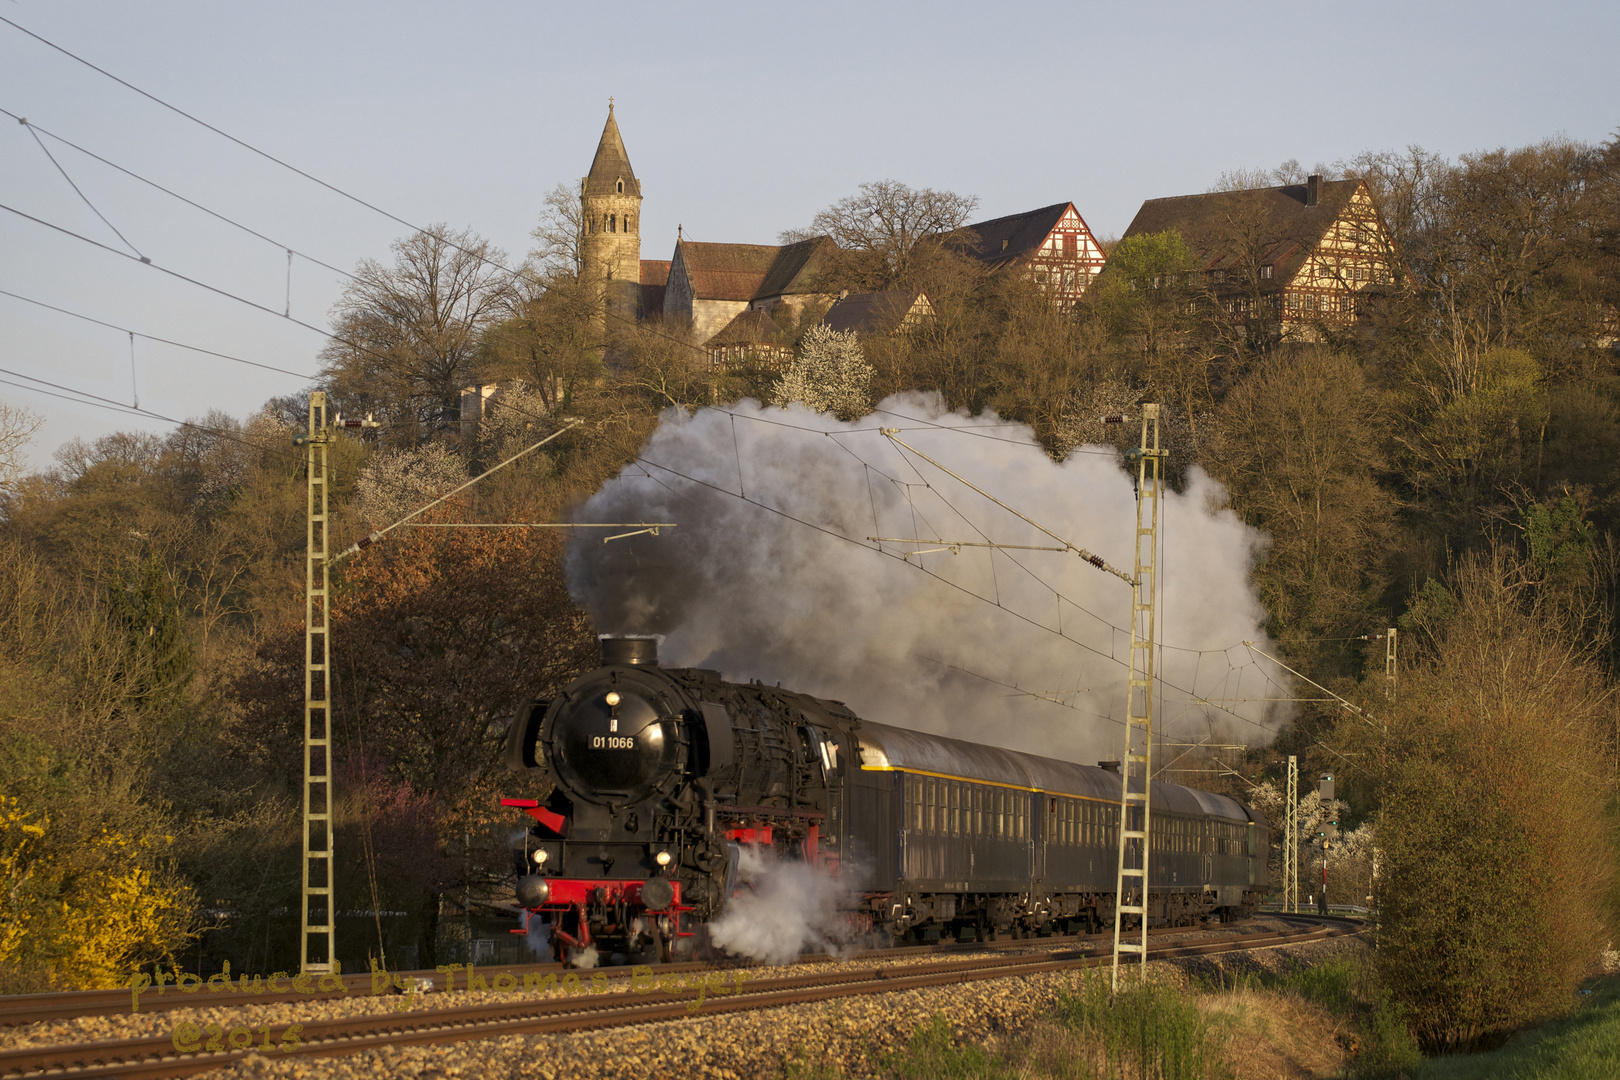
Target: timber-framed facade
[[1302, 257]]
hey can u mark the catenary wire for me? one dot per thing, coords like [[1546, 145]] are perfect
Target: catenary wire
[[153, 337], [78, 190], [203, 123], [172, 194], [308, 176], [851, 540]]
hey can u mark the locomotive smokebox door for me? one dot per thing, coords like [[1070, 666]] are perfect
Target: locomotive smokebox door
[[611, 745]]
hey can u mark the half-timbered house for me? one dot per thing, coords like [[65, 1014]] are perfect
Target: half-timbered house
[[1307, 252], [1053, 245]]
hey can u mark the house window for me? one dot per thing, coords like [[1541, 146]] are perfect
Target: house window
[[1324, 270], [1265, 273], [1070, 245]]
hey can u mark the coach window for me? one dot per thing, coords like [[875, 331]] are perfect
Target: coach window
[[928, 805], [956, 809], [978, 810]]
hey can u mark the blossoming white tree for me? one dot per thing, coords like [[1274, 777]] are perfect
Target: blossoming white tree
[[829, 373]]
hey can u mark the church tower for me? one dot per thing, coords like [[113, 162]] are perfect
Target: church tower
[[610, 199]]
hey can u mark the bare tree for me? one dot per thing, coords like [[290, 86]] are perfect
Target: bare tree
[[549, 337], [17, 426], [559, 239], [890, 223], [1289, 172], [407, 334]]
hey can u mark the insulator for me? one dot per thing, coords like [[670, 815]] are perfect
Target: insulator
[[1096, 560], [1113, 419]]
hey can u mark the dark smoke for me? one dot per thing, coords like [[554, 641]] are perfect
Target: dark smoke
[[757, 595]]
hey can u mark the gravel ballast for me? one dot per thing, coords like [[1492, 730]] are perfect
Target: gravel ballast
[[850, 1034]]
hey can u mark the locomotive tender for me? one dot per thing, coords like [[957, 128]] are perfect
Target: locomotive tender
[[660, 776]]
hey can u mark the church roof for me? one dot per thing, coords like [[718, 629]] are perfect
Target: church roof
[[654, 279], [752, 271], [611, 163], [1276, 220], [1016, 236]]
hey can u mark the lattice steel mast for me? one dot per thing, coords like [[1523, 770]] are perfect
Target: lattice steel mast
[[318, 947], [1290, 852], [1135, 806]]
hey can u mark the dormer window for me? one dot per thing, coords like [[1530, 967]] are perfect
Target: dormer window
[[1265, 273]]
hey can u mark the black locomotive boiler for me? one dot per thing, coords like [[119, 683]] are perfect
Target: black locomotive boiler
[[659, 776]]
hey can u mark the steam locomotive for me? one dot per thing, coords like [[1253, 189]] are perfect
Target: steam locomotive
[[661, 776]]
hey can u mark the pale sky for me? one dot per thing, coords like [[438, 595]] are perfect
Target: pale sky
[[740, 121]]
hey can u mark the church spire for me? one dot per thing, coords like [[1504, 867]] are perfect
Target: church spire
[[610, 170]]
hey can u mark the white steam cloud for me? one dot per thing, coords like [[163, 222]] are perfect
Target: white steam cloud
[[800, 596], [783, 909]]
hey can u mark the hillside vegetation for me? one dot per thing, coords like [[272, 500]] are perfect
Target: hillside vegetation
[[1448, 465]]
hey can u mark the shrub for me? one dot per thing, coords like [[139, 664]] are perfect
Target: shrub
[[1492, 874]]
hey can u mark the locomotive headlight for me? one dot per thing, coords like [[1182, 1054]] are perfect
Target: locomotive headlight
[[613, 698], [663, 858], [540, 857]]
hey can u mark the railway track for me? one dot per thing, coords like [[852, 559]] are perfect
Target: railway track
[[42, 1008], [152, 1057]]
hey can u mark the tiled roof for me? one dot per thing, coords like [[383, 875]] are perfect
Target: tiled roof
[[1004, 239], [1274, 219], [611, 163], [752, 327], [871, 313], [752, 271], [655, 271]]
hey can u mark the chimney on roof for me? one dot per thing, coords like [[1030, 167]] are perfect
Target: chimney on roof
[[1313, 189]]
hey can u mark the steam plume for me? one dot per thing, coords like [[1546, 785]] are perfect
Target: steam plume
[[758, 595], [785, 908]]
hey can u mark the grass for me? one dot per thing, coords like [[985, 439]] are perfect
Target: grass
[[1327, 1020], [1582, 1046], [1147, 1030], [1374, 1029]]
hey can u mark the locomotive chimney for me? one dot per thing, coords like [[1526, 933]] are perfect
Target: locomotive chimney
[[629, 650]]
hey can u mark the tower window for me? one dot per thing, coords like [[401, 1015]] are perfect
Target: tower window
[[621, 187], [613, 224]]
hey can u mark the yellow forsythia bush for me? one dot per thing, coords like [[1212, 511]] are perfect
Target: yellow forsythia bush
[[84, 918]]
